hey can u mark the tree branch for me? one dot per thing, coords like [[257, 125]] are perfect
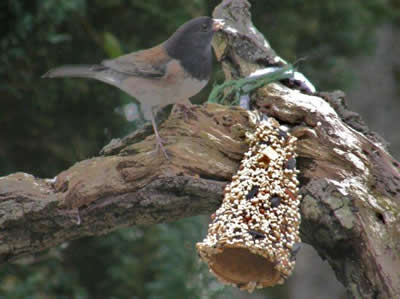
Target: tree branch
[[135, 186], [350, 184]]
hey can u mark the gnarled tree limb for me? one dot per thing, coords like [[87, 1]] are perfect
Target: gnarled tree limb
[[135, 186], [350, 184]]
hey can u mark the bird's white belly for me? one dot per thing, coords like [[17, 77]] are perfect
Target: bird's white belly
[[160, 92], [186, 90]]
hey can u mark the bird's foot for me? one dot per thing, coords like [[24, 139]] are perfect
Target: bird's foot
[[159, 140], [160, 146]]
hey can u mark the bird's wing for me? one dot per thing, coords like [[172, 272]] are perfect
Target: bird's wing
[[151, 63]]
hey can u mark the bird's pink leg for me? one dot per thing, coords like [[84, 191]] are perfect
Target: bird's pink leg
[[159, 141]]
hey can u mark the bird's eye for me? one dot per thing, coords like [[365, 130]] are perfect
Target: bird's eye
[[204, 27]]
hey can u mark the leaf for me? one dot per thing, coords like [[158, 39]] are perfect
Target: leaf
[[111, 45]]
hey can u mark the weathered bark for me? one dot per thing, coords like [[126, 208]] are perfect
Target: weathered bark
[[350, 184]]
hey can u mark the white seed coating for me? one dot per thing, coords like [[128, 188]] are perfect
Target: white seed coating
[[251, 217]]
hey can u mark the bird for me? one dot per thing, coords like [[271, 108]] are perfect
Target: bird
[[170, 72]]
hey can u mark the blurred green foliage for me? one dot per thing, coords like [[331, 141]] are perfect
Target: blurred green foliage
[[328, 34], [47, 125]]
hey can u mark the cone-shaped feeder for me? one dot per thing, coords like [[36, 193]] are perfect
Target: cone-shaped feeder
[[254, 235]]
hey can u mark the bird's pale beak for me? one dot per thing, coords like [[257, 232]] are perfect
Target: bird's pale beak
[[218, 24]]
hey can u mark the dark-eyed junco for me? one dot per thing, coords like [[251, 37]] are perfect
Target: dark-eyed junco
[[170, 72]]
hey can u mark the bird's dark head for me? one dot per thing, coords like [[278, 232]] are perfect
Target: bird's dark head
[[196, 32], [191, 44]]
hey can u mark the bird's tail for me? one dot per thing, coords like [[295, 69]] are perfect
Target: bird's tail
[[98, 72]]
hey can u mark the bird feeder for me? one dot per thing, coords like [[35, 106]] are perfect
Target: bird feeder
[[254, 236]]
